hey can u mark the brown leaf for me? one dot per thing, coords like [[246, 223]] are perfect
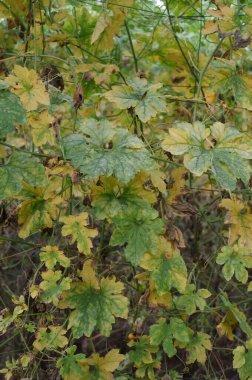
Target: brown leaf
[[78, 97], [185, 208]]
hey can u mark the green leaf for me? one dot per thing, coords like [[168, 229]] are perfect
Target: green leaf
[[103, 150], [167, 268], [143, 350], [243, 360], [141, 96], [222, 150], [51, 255], [192, 299], [12, 112], [95, 303], [53, 285], [235, 259], [20, 168], [51, 339], [70, 365], [140, 229], [112, 196], [167, 334]]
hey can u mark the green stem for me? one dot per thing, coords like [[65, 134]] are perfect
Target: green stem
[[25, 151], [202, 73], [131, 46]]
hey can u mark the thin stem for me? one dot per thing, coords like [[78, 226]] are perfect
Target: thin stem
[[25, 151], [131, 46], [202, 73]]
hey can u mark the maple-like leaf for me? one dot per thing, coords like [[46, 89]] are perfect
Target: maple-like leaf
[[143, 350], [167, 334], [191, 299], [97, 71], [51, 339], [96, 303], [167, 268], [20, 168], [227, 325], [111, 196], [41, 128], [197, 347], [70, 367], [37, 210], [141, 96], [240, 219], [12, 113], [103, 150], [143, 357], [29, 87], [226, 158], [102, 367], [140, 229], [243, 360], [53, 285], [51, 255], [235, 259], [109, 24], [76, 226]]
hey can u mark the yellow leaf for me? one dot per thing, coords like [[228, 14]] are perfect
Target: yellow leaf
[[157, 178], [75, 225], [240, 220], [109, 362], [42, 130], [109, 24], [176, 184], [27, 85], [37, 211]]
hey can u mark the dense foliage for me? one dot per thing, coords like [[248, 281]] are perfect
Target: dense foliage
[[125, 178]]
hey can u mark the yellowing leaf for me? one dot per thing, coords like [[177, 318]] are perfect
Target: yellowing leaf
[[99, 72], [167, 268], [95, 303], [42, 131], [36, 211], [53, 285], [141, 96], [75, 225], [109, 24], [112, 196], [51, 255], [240, 220], [26, 84], [226, 326], [53, 338], [176, 184], [235, 259], [102, 367]]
